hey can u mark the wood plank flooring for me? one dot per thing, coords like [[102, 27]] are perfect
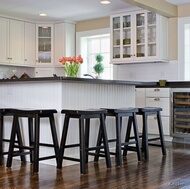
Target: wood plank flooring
[[169, 172]]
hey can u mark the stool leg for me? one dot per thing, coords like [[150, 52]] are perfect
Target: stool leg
[[82, 145], [136, 133], [31, 138], [99, 142], [87, 133], [118, 140], [128, 133], [63, 141], [54, 136], [20, 143], [105, 140], [145, 137], [161, 133], [36, 144], [12, 139], [1, 138]]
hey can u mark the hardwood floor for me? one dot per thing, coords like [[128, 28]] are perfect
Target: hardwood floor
[[169, 172]]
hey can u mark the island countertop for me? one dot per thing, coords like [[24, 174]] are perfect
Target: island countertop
[[79, 80]]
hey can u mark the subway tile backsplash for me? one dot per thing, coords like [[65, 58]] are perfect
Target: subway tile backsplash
[[147, 71]]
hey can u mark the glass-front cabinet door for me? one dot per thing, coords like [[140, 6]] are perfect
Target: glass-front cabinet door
[[116, 38], [44, 44], [152, 45], [127, 46], [140, 35]]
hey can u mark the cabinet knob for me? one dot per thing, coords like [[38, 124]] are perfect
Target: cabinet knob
[[25, 59], [156, 89], [8, 58], [156, 99]]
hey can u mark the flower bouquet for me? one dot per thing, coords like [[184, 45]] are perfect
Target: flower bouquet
[[72, 65]]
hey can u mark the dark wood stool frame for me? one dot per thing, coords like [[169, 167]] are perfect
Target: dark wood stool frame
[[7, 112], [84, 117], [125, 146], [145, 112], [34, 135]]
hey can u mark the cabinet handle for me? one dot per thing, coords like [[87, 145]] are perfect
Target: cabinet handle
[[8, 58], [155, 117], [156, 89], [156, 99]]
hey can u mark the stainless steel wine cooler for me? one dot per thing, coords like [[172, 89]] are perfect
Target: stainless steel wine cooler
[[180, 114]]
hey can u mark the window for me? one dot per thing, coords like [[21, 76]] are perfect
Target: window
[[89, 44], [99, 44]]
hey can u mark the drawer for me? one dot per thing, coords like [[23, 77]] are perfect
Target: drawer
[[163, 103], [157, 92]]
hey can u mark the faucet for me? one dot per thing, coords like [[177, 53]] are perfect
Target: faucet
[[89, 76]]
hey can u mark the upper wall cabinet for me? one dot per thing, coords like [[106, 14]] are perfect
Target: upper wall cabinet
[[139, 37], [44, 41], [14, 38], [64, 41]]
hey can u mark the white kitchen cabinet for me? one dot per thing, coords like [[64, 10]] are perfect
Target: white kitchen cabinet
[[17, 42], [64, 41], [138, 37], [159, 97], [44, 47], [29, 43], [154, 97]]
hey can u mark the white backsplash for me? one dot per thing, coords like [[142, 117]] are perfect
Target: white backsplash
[[147, 71]]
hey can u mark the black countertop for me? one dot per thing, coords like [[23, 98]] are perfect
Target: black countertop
[[78, 80], [138, 84]]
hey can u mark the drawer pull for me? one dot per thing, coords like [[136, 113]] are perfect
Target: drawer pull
[[155, 117], [157, 99], [156, 89]]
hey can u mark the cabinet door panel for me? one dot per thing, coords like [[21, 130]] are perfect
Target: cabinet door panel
[[16, 42], [4, 40], [30, 44], [153, 128]]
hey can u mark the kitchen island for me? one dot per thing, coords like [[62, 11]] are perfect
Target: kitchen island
[[63, 92]]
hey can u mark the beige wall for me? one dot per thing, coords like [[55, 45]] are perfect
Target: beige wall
[[183, 10], [93, 24]]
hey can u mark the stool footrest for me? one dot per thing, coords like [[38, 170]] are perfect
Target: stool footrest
[[24, 147], [153, 139], [131, 148], [71, 158], [72, 145], [128, 143], [151, 144], [18, 153], [48, 157]]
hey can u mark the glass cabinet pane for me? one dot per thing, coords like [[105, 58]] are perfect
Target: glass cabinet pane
[[116, 37], [127, 37], [44, 44], [140, 35], [151, 34]]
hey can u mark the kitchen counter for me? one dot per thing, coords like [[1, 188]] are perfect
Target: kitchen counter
[[68, 93], [169, 84], [78, 80]]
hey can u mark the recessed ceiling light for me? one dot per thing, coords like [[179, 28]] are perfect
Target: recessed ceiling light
[[105, 2], [42, 14]]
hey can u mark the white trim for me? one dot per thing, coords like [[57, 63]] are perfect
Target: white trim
[[181, 50]]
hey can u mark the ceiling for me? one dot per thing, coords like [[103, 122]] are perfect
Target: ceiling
[[57, 10]]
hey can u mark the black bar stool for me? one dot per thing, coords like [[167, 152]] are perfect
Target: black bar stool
[[7, 112], [145, 112], [84, 117], [126, 144], [34, 136]]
